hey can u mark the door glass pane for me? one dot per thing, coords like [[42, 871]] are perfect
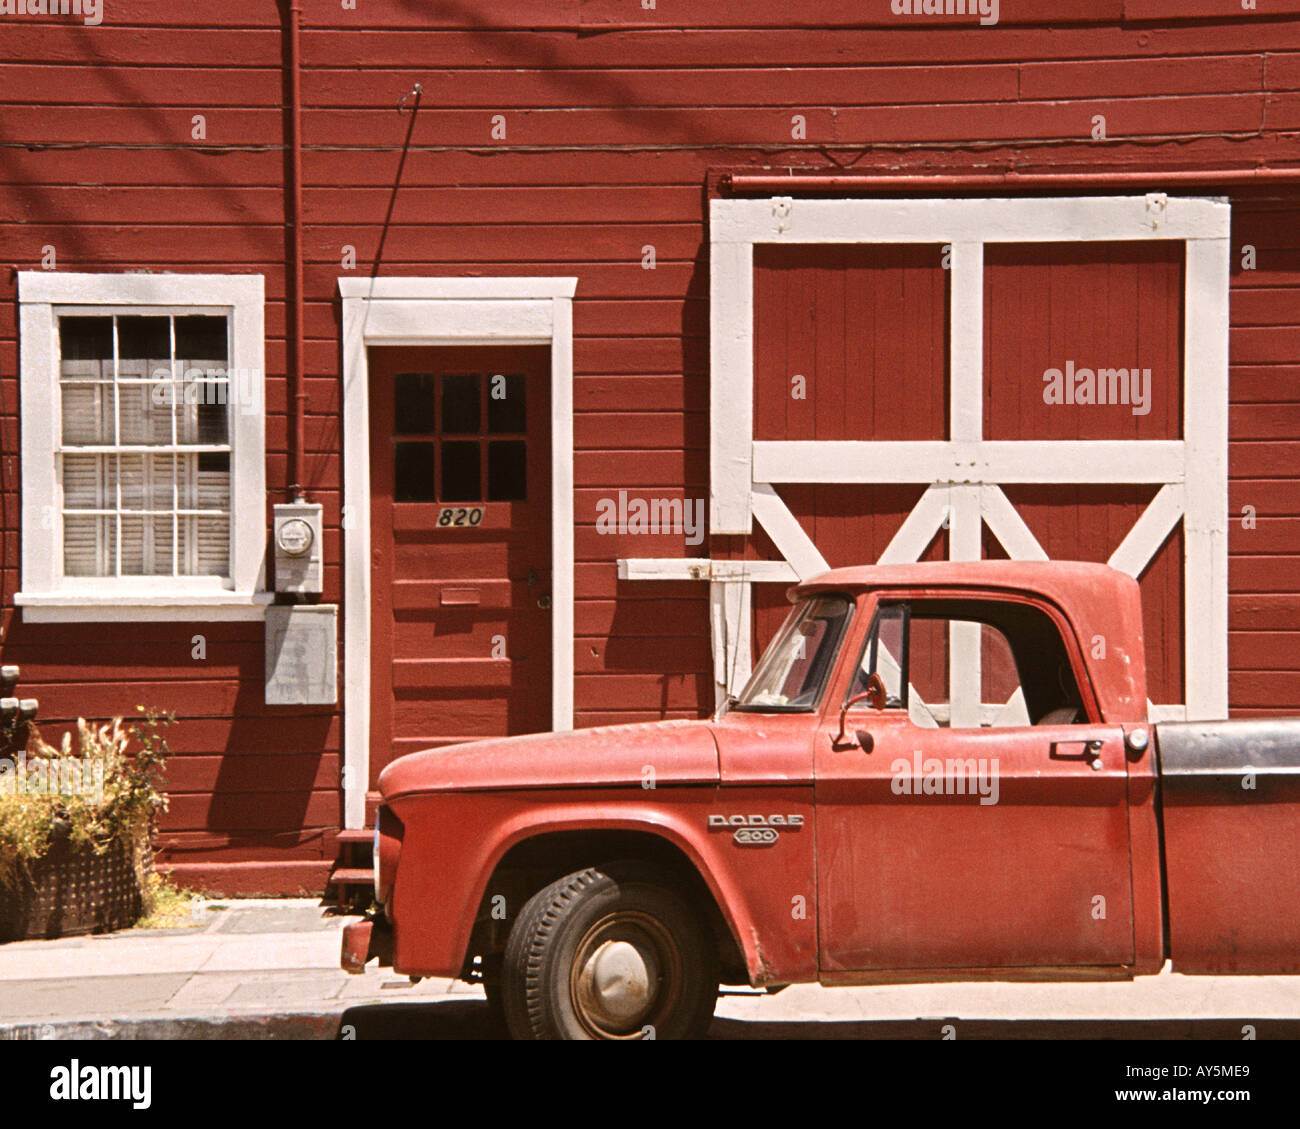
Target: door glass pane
[[413, 479], [507, 471], [460, 404], [507, 411], [413, 404], [460, 472]]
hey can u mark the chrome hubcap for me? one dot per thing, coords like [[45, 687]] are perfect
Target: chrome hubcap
[[617, 983], [625, 972]]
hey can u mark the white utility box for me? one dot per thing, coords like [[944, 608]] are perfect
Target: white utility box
[[298, 536], [302, 655]]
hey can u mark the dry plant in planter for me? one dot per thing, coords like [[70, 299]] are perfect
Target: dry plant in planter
[[76, 828]]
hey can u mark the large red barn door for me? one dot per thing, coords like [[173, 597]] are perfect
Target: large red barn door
[[852, 343], [460, 514]]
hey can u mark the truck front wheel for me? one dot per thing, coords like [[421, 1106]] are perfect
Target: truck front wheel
[[609, 953]]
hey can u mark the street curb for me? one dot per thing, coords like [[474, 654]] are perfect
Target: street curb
[[318, 1025]]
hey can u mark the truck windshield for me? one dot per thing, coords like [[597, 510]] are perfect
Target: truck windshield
[[793, 670]]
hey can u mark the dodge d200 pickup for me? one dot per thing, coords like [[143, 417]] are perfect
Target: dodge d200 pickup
[[936, 772]]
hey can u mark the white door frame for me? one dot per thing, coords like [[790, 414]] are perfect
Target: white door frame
[[966, 473], [446, 311]]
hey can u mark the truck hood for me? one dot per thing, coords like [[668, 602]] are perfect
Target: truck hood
[[665, 752]]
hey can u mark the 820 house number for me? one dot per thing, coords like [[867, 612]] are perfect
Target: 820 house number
[[450, 516]]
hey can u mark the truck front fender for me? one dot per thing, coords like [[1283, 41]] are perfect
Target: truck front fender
[[765, 891]]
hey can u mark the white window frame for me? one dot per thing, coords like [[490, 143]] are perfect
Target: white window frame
[[965, 474], [48, 596]]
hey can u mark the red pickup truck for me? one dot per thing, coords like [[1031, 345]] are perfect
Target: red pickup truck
[[936, 772]]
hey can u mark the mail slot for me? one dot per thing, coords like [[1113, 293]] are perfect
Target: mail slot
[[464, 596]]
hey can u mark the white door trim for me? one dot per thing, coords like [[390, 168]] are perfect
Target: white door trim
[[446, 311]]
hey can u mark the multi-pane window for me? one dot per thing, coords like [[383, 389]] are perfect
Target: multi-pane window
[[144, 444], [460, 437]]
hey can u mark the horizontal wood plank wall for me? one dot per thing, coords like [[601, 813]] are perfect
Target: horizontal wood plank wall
[[1264, 462], [609, 139]]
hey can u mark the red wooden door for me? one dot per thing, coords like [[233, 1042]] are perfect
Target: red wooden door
[[460, 510]]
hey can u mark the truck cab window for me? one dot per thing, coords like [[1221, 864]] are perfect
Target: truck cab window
[[968, 664]]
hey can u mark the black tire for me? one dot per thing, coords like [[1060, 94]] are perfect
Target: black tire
[[609, 953]]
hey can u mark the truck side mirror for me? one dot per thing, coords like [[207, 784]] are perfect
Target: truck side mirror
[[875, 693]]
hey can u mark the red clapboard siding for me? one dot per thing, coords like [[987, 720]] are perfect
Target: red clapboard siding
[[501, 89], [636, 393], [1199, 9], [174, 87], [1102, 78], [252, 773], [1263, 650], [653, 126], [1255, 612], [622, 654], [262, 811], [148, 41], [1264, 601], [724, 13], [308, 843], [783, 46]]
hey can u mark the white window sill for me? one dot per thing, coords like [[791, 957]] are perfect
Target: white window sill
[[136, 607]]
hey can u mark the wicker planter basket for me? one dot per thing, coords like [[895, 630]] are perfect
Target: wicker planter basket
[[69, 892]]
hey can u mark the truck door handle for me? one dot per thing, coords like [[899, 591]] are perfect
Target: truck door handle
[[1091, 753]]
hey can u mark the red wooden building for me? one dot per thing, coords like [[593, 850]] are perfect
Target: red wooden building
[[589, 325]]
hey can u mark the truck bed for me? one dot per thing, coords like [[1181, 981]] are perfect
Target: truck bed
[[1229, 794]]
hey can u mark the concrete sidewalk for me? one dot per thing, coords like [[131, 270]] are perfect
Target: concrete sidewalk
[[269, 969], [245, 968]]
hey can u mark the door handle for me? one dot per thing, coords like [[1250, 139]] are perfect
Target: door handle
[[544, 601], [1092, 747]]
